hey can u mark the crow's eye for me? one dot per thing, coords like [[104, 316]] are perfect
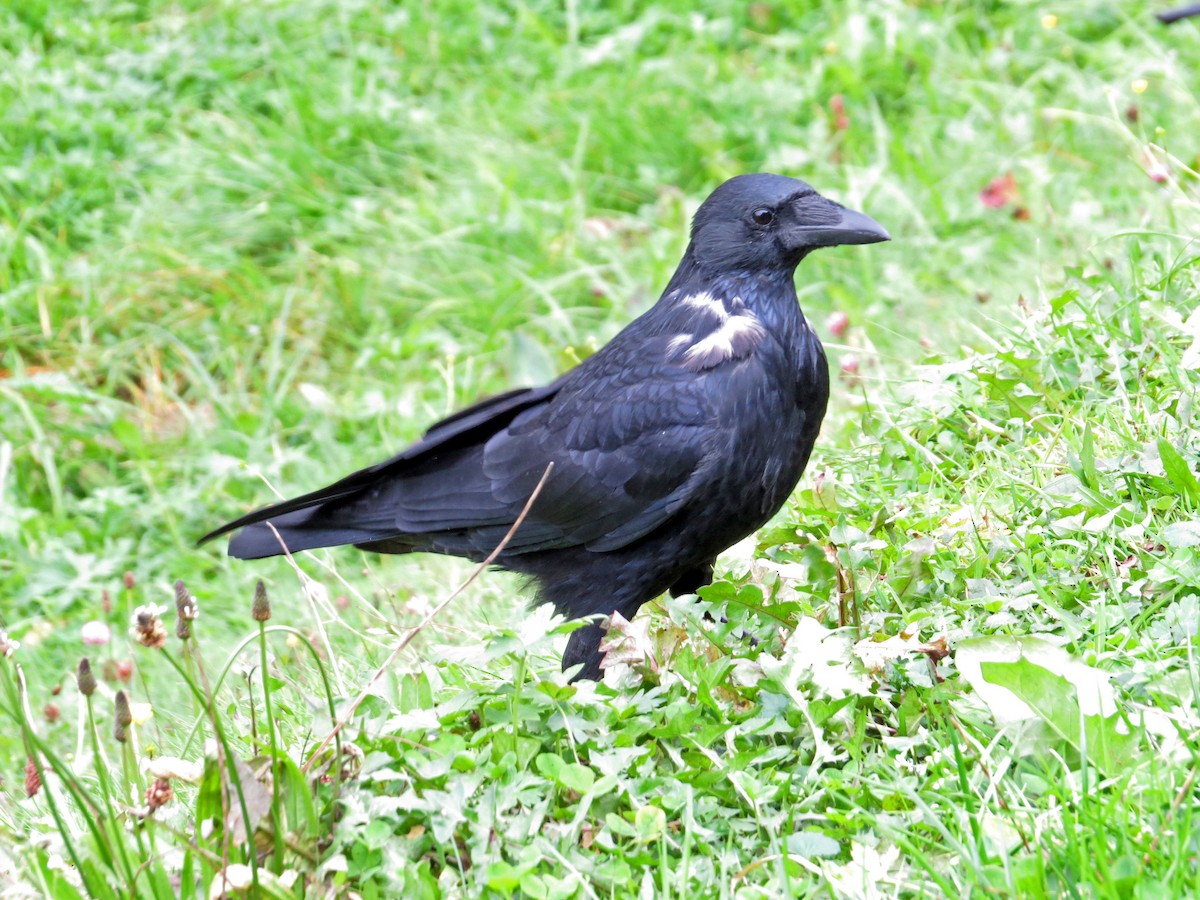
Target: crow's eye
[[762, 216]]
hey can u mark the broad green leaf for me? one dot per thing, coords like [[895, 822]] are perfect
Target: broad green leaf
[[1178, 471], [549, 764], [812, 843], [300, 810], [619, 826], [572, 776], [533, 886], [614, 872], [523, 748], [1182, 534], [1021, 679], [502, 876], [576, 777], [1055, 700], [650, 822]]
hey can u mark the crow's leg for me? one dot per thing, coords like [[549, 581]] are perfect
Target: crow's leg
[[693, 579], [584, 647]]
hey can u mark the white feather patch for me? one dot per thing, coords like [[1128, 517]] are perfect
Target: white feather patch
[[707, 302], [737, 337], [679, 342]]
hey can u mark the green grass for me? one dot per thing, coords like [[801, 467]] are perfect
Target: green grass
[[248, 242]]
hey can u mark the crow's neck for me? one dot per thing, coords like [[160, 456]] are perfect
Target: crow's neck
[[768, 293]]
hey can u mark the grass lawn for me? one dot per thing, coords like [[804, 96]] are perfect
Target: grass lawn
[[249, 247]]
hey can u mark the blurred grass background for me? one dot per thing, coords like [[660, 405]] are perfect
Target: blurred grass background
[[247, 241], [292, 234]]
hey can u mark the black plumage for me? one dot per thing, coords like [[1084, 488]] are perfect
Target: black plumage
[[678, 438], [1170, 16]]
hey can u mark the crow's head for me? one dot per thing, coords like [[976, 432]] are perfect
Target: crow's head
[[769, 222]]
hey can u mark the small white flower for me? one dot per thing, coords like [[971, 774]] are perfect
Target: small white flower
[[141, 712], [95, 633], [235, 877]]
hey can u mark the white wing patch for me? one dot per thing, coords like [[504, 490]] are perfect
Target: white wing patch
[[736, 337], [708, 303], [679, 342]]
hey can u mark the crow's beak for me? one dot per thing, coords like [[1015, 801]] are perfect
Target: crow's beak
[[850, 228]]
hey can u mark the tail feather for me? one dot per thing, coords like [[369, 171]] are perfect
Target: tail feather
[[274, 536], [465, 429], [348, 486]]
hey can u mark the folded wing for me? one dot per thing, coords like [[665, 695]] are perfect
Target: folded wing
[[628, 452]]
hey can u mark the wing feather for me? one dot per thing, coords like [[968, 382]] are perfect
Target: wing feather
[[632, 437]]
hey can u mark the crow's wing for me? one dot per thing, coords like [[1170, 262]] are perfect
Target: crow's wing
[[628, 449], [464, 428], [629, 440], [632, 433]]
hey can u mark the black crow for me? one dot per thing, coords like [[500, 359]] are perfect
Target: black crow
[[1171, 16], [678, 438]]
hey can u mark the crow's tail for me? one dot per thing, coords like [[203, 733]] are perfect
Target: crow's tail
[[301, 523], [271, 537]]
